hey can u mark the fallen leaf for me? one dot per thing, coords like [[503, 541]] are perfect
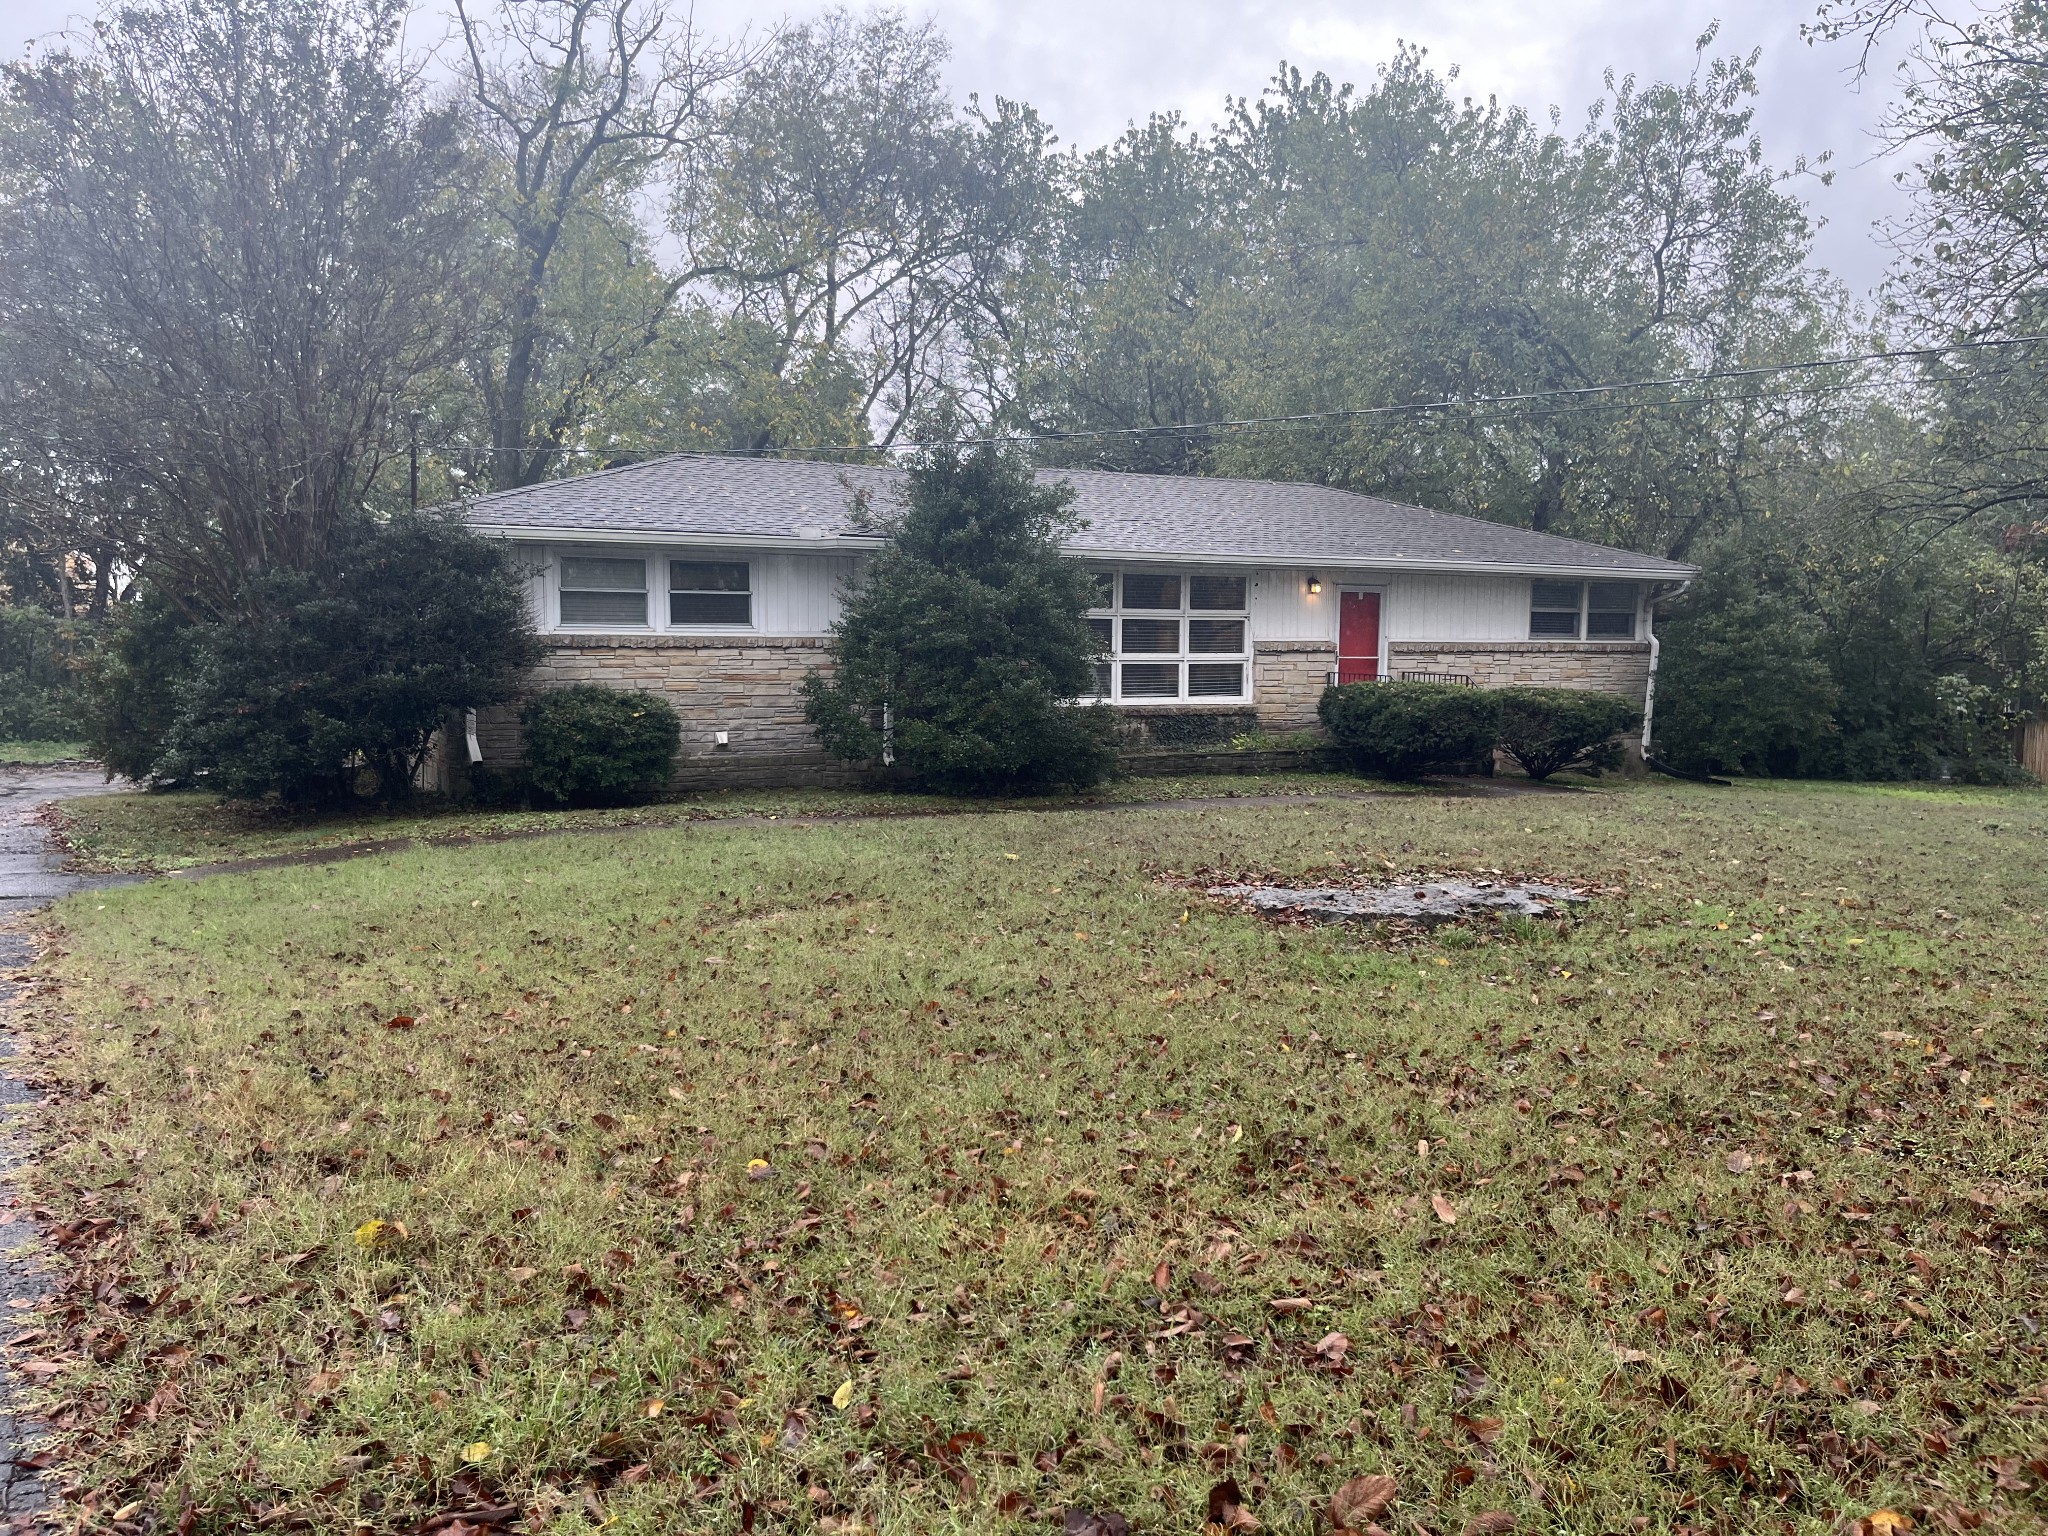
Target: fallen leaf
[[1160, 1277], [1739, 1162], [1485, 1431], [651, 1409], [1885, 1522], [1495, 1522], [477, 1450], [844, 1395], [402, 1021], [1332, 1347], [759, 1168], [1226, 1508], [1086, 1522], [1361, 1500], [1290, 1304], [1445, 1211], [376, 1234]]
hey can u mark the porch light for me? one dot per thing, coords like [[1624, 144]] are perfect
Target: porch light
[[1315, 584]]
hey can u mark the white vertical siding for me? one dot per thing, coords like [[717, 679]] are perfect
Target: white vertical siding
[[1283, 608], [531, 561], [1442, 607], [798, 594], [1413, 606]]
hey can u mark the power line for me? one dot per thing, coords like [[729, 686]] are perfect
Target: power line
[[1362, 412]]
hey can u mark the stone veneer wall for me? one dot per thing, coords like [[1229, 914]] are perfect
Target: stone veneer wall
[[1621, 666], [746, 688], [1288, 678]]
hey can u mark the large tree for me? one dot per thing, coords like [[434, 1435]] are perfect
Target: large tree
[[856, 231], [231, 244], [578, 105], [1352, 256]]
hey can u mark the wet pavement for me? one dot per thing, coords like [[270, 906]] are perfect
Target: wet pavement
[[32, 875]]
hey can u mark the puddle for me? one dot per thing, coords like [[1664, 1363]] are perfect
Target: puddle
[[1430, 901]]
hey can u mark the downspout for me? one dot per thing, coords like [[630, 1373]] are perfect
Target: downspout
[[1656, 651]]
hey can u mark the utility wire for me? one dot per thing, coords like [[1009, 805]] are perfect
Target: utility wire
[[1356, 413]]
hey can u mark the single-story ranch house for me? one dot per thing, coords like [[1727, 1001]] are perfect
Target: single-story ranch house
[[714, 582]]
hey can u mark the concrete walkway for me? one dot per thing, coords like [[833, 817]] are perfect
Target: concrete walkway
[[32, 876]]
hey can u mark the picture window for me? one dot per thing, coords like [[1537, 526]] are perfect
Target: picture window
[[1172, 637]]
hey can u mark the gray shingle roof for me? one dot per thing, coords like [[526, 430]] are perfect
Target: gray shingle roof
[[1253, 521]]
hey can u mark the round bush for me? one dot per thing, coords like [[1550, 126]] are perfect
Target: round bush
[[589, 745], [1547, 730], [1402, 730]]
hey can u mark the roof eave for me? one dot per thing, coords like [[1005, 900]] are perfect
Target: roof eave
[[862, 543]]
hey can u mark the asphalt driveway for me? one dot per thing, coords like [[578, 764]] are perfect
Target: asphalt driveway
[[32, 875]]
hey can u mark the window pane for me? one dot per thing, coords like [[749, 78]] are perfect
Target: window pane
[[1554, 625], [1105, 589], [1152, 636], [1102, 680], [1209, 679], [1216, 592], [1151, 681], [708, 576], [604, 607], [1100, 629], [1153, 592], [1216, 636], [1612, 597], [710, 608], [587, 574], [1554, 594], [1610, 626]]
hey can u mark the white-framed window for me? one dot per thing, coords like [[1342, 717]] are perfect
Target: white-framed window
[[718, 593], [603, 592], [1610, 610], [1592, 610], [1172, 636]]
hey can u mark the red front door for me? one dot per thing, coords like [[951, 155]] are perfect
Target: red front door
[[1358, 637]]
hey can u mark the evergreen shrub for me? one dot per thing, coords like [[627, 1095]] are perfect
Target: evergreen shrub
[[323, 684], [1402, 730], [589, 745], [970, 631], [1550, 730]]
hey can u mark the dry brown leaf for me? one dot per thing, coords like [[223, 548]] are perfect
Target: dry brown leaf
[[1361, 1500], [1445, 1211], [1495, 1522]]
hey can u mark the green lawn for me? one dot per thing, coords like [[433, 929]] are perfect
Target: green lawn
[[155, 832], [33, 752], [946, 1174]]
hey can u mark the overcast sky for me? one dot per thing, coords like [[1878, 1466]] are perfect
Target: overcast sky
[[1091, 66]]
